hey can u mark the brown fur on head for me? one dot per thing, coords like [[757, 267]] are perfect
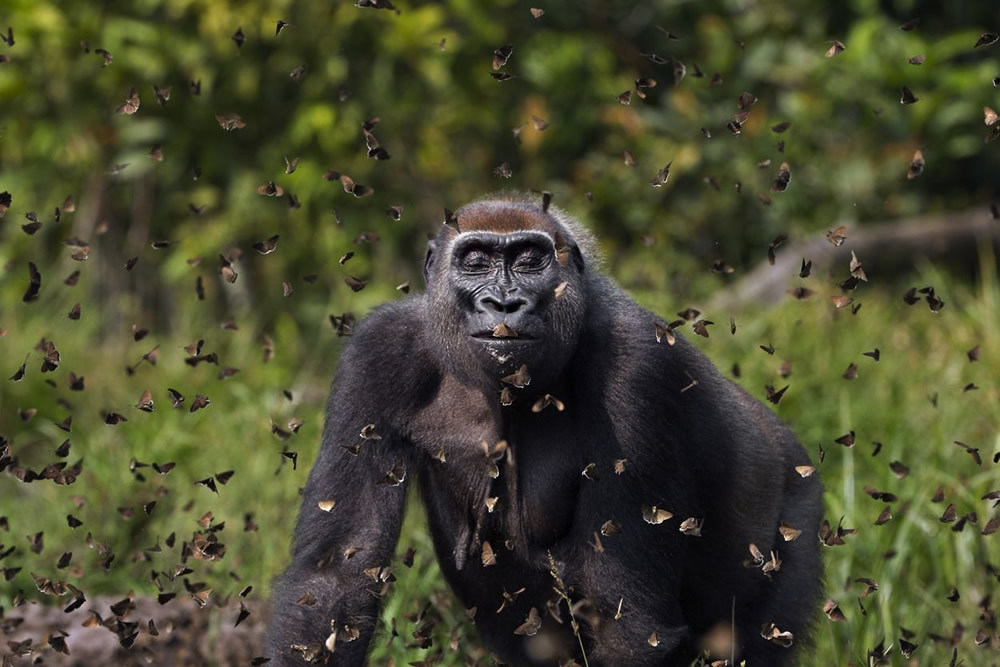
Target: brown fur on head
[[505, 217], [506, 212]]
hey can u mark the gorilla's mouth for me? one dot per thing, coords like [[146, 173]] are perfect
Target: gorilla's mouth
[[489, 336]]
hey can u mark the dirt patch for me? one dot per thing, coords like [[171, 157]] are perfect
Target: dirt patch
[[185, 634]]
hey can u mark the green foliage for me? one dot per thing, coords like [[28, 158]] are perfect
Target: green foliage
[[915, 558], [448, 124]]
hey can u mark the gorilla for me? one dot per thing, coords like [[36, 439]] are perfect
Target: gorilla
[[596, 491]]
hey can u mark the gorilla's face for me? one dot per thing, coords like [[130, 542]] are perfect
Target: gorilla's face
[[504, 285], [506, 300]]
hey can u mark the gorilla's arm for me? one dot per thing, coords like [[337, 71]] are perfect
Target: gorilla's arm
[[326, 587], [638, 569], [632, 575]]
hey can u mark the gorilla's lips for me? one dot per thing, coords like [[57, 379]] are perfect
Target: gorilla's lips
[[507, 332], [490, 336]]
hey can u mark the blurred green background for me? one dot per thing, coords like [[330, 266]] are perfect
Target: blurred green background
[[448, 125]]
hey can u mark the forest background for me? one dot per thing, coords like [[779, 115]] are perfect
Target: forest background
[[878, 111]]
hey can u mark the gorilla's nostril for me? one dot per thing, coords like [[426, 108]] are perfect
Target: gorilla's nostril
[[513, 305], [504, 305], [488, 303]]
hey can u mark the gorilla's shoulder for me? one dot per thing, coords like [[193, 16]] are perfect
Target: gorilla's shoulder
[[392, 329], [623, 333], [388, 344]]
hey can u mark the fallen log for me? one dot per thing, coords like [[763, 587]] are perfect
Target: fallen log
[[886, 249]]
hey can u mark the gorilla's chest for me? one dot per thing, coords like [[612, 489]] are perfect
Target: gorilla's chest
[[537, 480], [498, 475]]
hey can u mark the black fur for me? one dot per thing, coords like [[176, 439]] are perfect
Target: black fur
[[707, 450]]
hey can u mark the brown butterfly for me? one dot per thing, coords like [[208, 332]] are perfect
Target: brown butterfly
[[773, 634], [701, 327], [836, 48], [145, 401], [356, 189], [973, 452], [985, 39], [775, 395], [884, 517], [899, 469], [547, 400], [837, 236], [230, 121], [655, 515], [692, 526], [269, 189], [266, 247], [789, 533], [395, 476], [531, 625], [162, 94], [665, 331], [610, 527], [488, 556], [375, 150], [916, 165], [356, 284], [226, 270], [131, 103], [52, 358], [519, 379], [661, 177], [783, 178], [200, 401], [502, 55], [503, 331], [34, 284]]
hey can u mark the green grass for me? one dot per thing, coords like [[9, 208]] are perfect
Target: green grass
[[915, 558]]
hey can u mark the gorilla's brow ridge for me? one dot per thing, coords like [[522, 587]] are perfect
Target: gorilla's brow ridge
[[504, 217], [488, 240]]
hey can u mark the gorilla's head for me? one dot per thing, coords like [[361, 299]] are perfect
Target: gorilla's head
[[506, 289]]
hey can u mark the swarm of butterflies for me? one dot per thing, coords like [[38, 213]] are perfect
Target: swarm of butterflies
[[139, 629]]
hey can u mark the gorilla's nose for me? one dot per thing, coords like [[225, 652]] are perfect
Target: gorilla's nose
[[501, 304]]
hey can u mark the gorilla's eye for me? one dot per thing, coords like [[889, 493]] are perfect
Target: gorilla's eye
[[530, 261], [476, 262]]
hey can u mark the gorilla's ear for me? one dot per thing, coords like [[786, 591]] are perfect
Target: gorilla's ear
[[429, 261]]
